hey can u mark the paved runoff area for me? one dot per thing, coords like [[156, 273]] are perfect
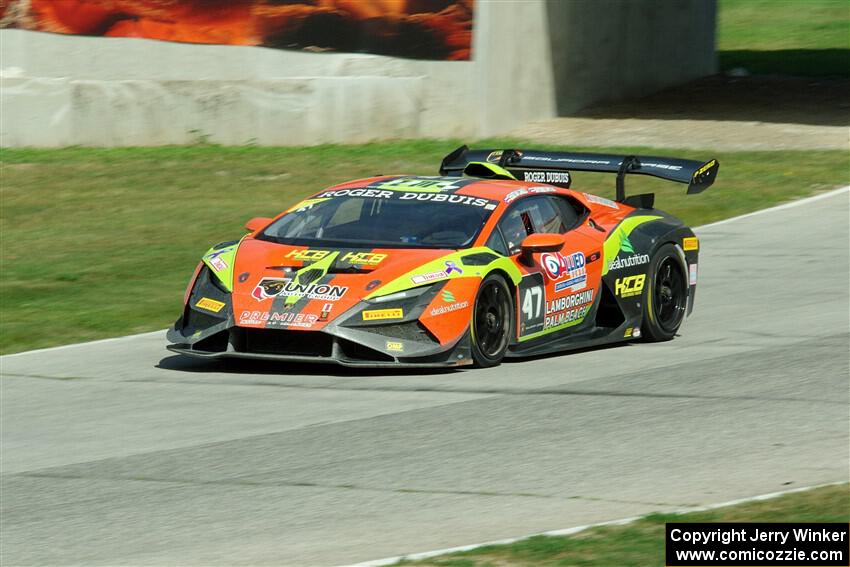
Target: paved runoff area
[[119, 452]]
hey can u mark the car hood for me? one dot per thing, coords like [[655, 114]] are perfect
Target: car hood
[[276, 285]]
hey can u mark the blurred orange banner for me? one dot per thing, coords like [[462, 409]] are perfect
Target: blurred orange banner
[[419, 29]]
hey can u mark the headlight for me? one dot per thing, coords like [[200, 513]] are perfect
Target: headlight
[[406, 294]]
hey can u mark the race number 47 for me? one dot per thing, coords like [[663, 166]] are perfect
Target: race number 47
[[532, 303]]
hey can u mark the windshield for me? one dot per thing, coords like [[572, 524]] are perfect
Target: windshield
[[385, 221]]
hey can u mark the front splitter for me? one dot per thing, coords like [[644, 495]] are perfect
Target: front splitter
[[315, 359]]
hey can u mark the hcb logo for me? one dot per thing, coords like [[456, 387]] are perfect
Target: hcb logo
[[306, 255], [363, 258], [629, 286]]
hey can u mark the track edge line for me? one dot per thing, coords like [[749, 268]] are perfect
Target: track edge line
[[570, 531], [783, 206]]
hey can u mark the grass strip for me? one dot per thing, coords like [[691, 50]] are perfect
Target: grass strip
[[641, 543], [786, 37]]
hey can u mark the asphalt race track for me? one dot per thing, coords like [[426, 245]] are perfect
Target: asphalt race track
[[120, 452]]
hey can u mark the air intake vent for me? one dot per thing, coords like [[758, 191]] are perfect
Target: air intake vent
[[297, 343], [197, 321], [349, 270], [213, 343], [609, 313], [478, 259], [413, 331], [357, 351], [309, 276]]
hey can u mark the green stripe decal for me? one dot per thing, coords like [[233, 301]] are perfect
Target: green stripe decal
[[323, 265], [436, 270], [487, 170], [417, 184], [619, 238]]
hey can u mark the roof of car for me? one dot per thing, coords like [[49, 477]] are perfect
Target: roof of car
[[495, 189], [493, 193]]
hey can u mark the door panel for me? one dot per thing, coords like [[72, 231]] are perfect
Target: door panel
[[559, 288]]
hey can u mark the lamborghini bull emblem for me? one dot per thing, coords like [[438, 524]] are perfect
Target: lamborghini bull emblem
[[287, 287], [268, 287]]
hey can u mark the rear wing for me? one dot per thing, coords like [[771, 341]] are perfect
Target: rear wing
[[554, 167]]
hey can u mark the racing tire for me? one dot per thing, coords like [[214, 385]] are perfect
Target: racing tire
[[492, 321], [665, 299]]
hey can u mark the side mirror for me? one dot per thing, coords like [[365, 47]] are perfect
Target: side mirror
[[538, 243], [257, 223]]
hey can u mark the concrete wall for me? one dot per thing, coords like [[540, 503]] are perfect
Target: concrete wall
[[531, 58], [514, 83], [607, 50], [60, 90]]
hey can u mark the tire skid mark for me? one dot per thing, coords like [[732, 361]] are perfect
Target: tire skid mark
[[506, 391], [336, 486]]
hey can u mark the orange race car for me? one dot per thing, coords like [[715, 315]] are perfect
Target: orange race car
[[496, 257]]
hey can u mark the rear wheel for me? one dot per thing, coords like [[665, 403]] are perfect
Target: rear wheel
[[492, 319], [666, 295]]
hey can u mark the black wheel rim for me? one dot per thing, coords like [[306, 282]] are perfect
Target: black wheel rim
[[491, 320], [669, 296]]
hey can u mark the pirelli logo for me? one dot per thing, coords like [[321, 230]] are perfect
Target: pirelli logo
[[377, 314], [209, 304], [691, 243]]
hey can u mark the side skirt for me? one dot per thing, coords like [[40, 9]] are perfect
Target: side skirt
[[567, 340]]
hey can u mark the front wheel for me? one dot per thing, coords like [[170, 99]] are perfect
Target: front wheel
[[492, 320], [666, 295]]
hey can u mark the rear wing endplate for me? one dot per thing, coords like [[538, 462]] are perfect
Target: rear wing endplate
[[528, 166]]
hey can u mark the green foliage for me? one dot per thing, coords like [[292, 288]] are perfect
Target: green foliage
[[783, 24], [788, 37]]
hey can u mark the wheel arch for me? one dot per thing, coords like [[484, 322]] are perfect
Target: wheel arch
[[645, 232], [481, 352], [512, 286], [505, 275], [678, 236], [648, 320]]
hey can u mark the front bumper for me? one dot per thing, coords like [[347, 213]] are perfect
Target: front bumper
[[316, 347], [208, 329]]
